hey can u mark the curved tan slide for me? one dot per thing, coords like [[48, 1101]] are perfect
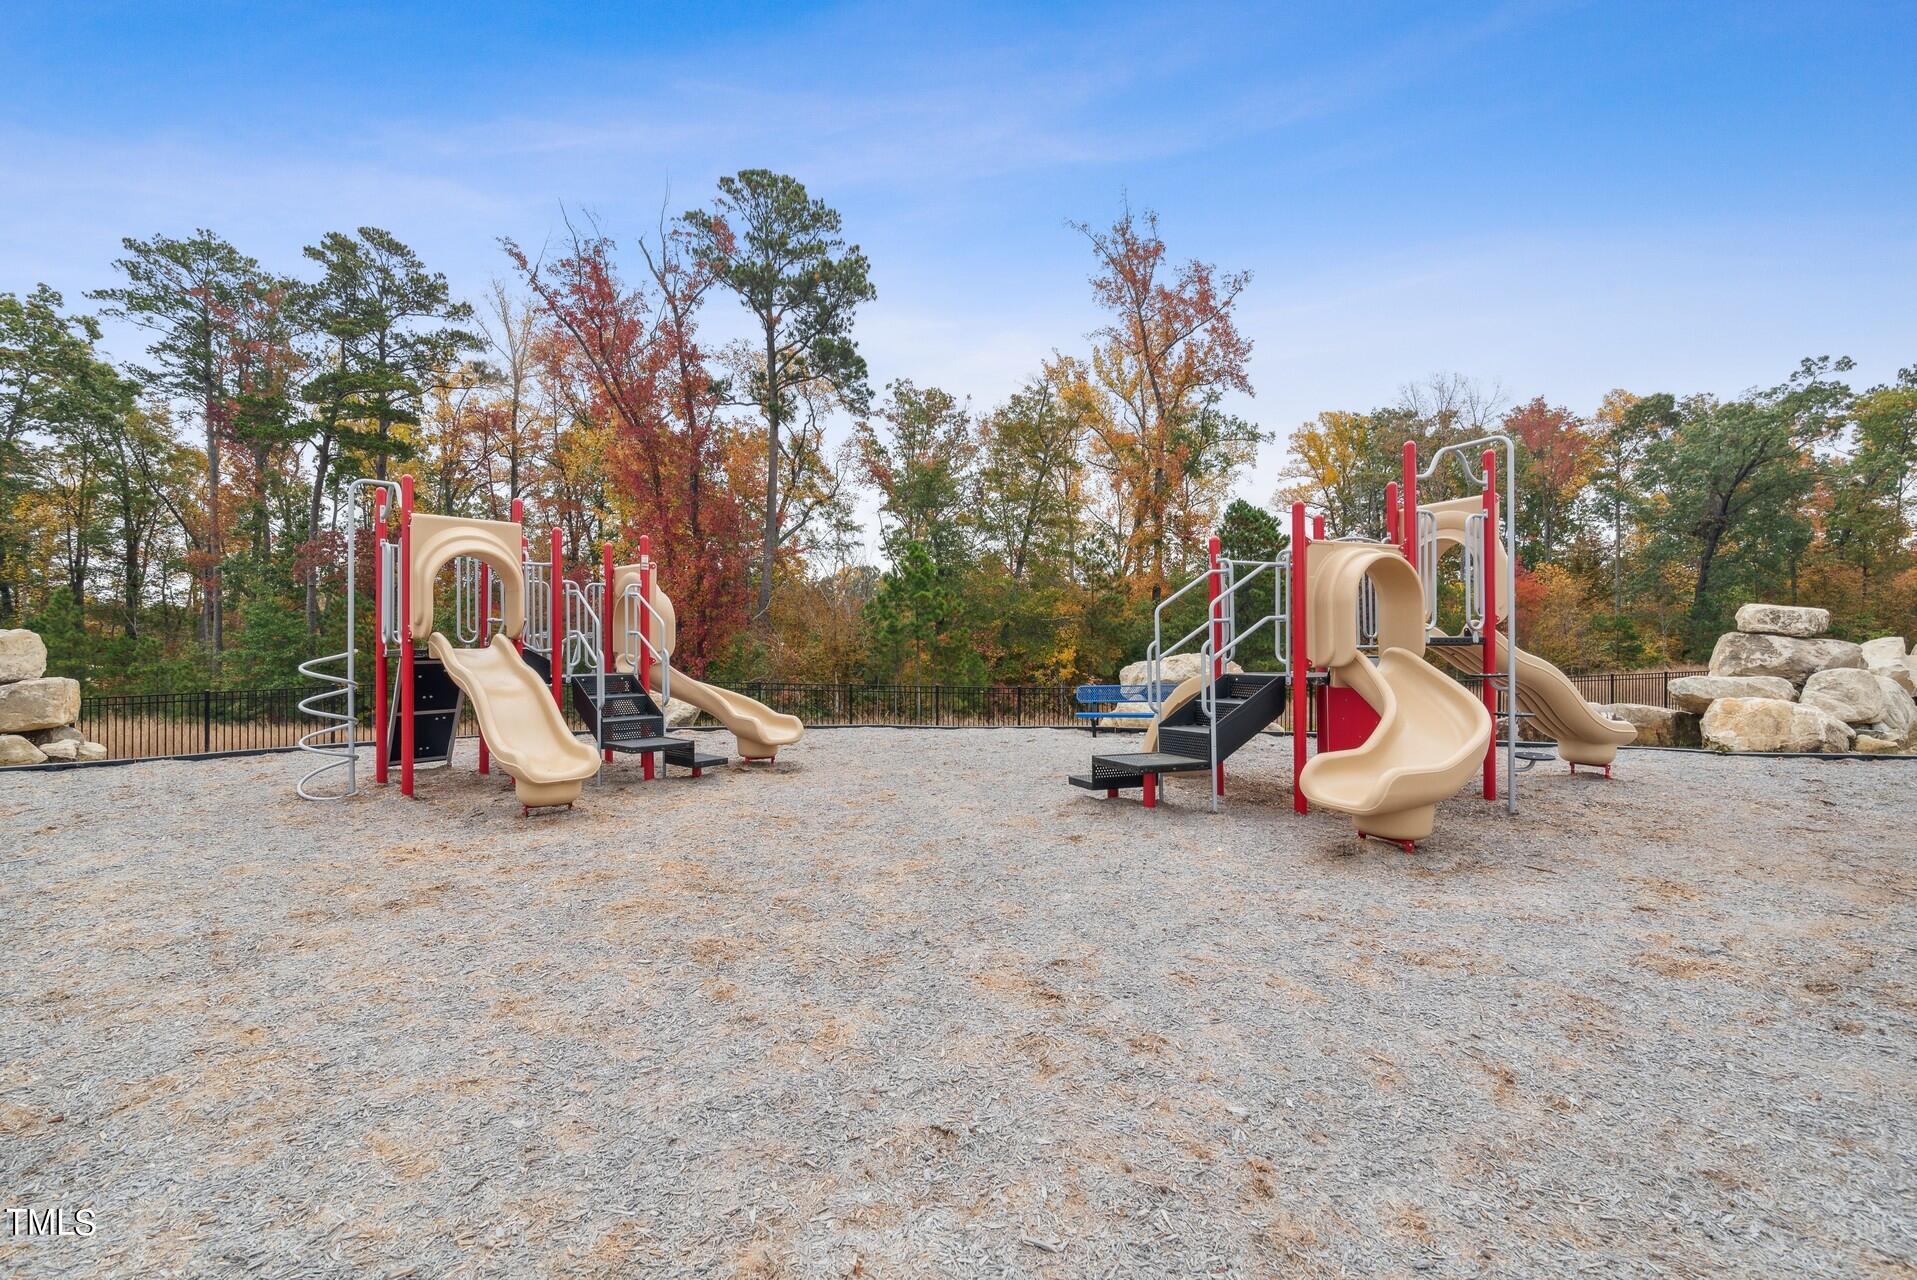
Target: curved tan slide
[[524, 729], [1430, 741], [1431, 735], [1557, 709], [758, 729]]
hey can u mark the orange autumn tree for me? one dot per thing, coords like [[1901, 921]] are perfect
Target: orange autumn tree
[[632, 361], [1151, 395]]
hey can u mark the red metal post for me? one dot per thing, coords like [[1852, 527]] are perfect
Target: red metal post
[[485, 637], [1300, 668], [379, 637], [1215, 587], [606, 602], [1323, 702], [642, 661], [1391, 512], [1408, 494], [1490, 636], [556, 655], [406, 635], [1151, 791]]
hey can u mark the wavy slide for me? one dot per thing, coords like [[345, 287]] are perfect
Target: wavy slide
[[1430, 741], [1431, 735], [525, 732], [1556, 707], [1554, 703], [758, 729]]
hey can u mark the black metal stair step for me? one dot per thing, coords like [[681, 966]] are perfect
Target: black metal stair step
[[694, 760], [1143, 762], [642, 744], [1114, 783]]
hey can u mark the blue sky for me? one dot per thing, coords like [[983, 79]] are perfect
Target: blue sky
[[1553, 198]]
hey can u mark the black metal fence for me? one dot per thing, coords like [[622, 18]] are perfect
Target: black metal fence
[[1652, 688], [949, 705], [150, 726]]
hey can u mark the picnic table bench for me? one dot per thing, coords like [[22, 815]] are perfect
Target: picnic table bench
[[1121, 701]]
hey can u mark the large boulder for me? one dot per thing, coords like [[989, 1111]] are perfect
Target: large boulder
[[65, 733], [23, 656], [45, 703], [1782, 620], [15, 749], [1867, 745], [1853, 696], [1656, 726], [64, 749], [1885, 656], [680, 713], [1695, 694], [92, 751], [1740, 653], [1899, 722], [1771, 724], [1174, 670]]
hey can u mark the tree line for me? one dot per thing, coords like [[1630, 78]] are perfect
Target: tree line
[[175, 522]]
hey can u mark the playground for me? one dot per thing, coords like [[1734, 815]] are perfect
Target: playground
[[907, 1004]]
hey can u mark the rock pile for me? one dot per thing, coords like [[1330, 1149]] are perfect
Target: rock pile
[[1778, 683], [37, 711]]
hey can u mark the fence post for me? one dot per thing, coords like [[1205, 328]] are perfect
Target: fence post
[[206, 720]]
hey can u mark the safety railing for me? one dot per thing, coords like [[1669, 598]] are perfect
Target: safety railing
[[336, 706], [1225, 639], [538, 632], [1428, 564], [388, 611], [1506, 587], [639, 637], [1156, 652], [580, 650]]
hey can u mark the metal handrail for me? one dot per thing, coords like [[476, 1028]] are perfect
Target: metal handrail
[[344, 753], [466, 610], [388, 620], [1156, 654], [1474, 573], [538, 632], [1509, 584], [1428, 564], [580, 648], [1213, 657], [636, 637]]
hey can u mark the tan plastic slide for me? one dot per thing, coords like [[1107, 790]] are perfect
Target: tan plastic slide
[[525, 732], [758, 729], [1431, 735], [524, 729], [1557, 709]]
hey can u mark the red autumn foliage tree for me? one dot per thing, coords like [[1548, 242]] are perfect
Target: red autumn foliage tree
[[1556, 455], [1151, 398], [633, 359]]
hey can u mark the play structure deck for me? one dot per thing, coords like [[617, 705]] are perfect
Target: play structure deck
[[1351, 634], [526, 642]]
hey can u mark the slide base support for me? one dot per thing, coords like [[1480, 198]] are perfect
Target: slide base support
[[1409, 846]]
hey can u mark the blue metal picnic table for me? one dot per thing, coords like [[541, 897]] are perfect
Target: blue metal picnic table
[[1121, 701]]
